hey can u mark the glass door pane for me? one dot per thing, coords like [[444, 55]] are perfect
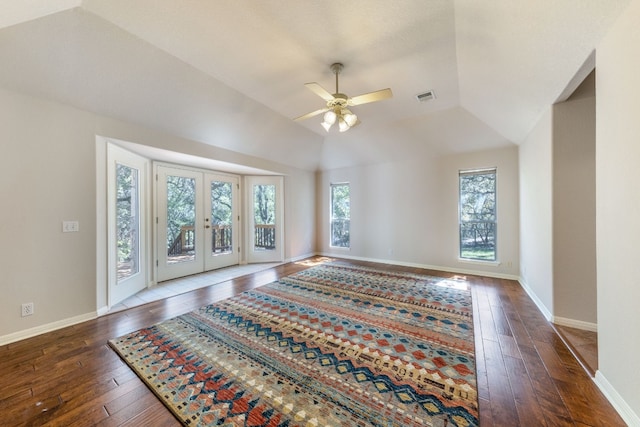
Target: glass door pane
[[264, 220], [127, 222], [181, 219], [221, 217]]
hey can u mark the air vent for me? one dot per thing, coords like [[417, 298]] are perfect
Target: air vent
[[426, 96]]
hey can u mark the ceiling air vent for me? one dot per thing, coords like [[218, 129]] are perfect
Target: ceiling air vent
[[426, 96]]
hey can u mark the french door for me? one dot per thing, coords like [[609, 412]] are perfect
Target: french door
[[222, 221], [197, 221]]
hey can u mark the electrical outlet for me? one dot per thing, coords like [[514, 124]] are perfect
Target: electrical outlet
[[27, 309]]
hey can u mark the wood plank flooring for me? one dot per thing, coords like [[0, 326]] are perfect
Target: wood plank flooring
[[583, 345], [70, 377]]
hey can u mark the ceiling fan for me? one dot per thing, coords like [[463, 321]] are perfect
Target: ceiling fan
[[337, 103]]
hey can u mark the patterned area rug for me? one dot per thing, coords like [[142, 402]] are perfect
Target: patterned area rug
[[333, 345]]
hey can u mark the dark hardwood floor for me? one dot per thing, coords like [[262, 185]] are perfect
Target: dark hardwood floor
[[70, 377], [583, 345]]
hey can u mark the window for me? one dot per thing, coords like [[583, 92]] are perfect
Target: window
[[478, 215], [340, 215]]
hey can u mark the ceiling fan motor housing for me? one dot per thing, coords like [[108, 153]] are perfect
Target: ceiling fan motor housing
[[339, 100]]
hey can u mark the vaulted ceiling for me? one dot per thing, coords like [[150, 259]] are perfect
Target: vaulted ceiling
[[232, 73]]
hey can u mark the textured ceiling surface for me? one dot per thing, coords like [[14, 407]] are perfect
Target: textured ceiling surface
[[201, 68]]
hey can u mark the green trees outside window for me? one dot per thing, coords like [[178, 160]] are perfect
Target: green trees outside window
[[478, 215], [127, 221], [181, 218], [264, 216], [340, 215]]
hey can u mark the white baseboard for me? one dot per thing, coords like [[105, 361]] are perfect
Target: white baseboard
[[300, 257], [578, 324], [631, 418], [103, 310], [543, 309], [426, 266], [49, 327]]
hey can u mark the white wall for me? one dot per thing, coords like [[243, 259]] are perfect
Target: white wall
[[48, 174], [574, 216], [557, 193], [407, 211], [618, 211], [536, 223]]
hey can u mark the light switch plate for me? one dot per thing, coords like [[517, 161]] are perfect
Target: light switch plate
[[70, 226]]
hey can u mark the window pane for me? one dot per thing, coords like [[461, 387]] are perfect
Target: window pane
[[127, 221], [221, 217], [478, 241], [340, 215], [478, 215], [264, 216], [181, 219]]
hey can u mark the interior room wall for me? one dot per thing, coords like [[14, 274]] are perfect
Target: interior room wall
[[618, 212], [407, 211], [574, 216], [49, 173], [505, 161], [536, 214]]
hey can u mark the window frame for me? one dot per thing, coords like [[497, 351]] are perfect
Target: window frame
[[484, 171], [332, 219]]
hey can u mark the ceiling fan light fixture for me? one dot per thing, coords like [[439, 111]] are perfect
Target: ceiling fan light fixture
[[326, 126]]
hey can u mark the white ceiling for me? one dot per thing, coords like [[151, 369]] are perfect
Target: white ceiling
[[232, 73]]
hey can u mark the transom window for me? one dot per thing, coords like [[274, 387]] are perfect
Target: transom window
[[340, 215], [478, 214]]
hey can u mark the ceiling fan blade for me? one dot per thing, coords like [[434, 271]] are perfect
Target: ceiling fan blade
[[320, 91], [311, 114], [378, 95]]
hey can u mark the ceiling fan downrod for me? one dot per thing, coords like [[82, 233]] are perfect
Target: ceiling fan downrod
[[337, 68]]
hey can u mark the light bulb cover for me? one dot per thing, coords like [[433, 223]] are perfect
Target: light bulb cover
[[330, 117], [326, 126], [342, 125], [349, 117]]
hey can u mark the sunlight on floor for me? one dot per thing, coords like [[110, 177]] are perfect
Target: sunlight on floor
[[456, 282], [315, 261]]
